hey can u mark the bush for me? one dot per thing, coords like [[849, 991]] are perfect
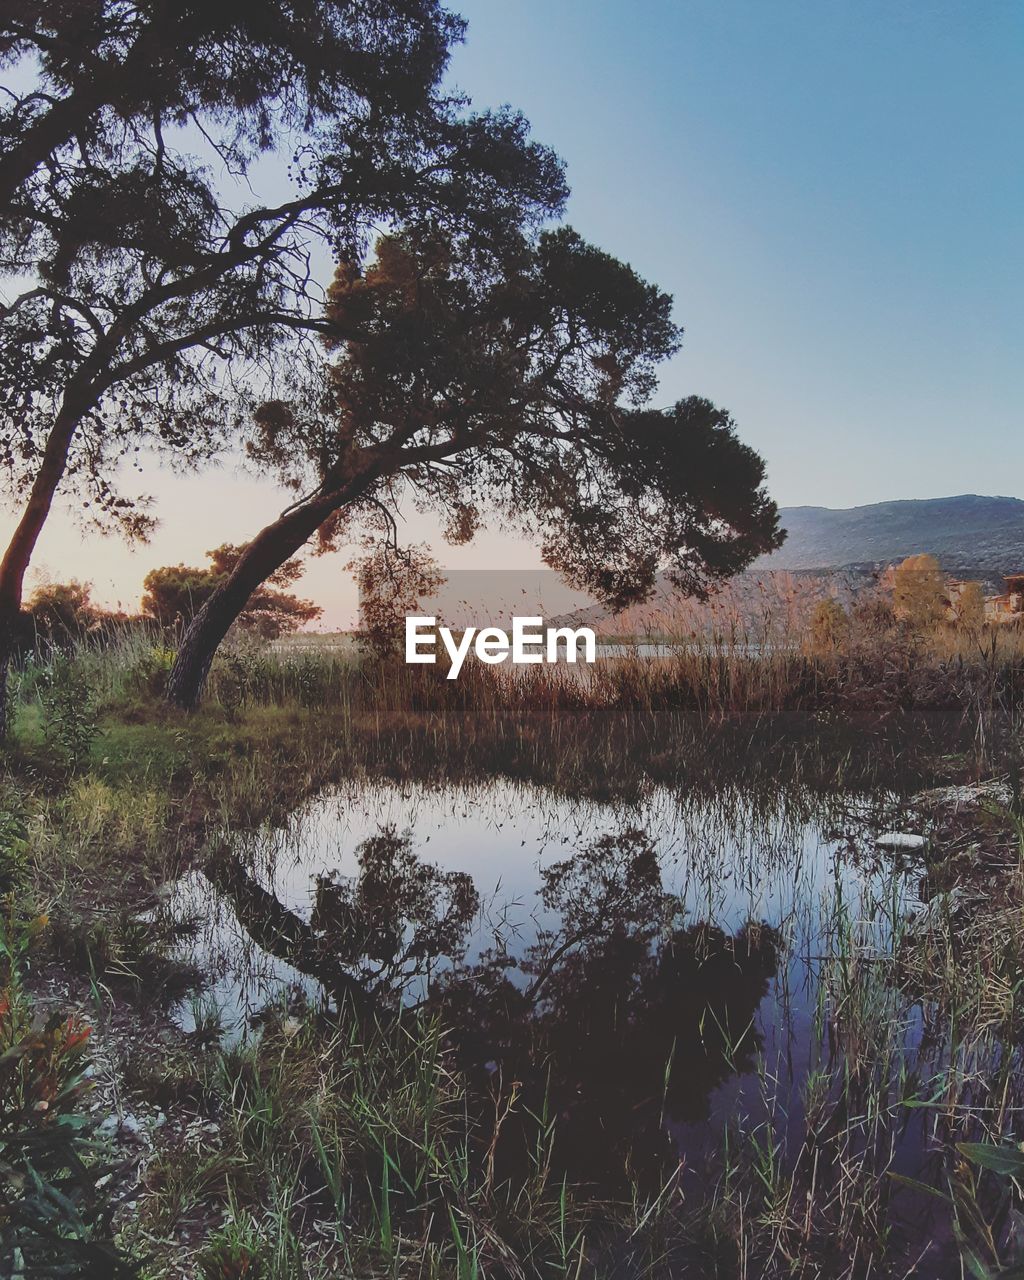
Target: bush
[[149, 671], [829, 627], [13, 845], [54, 1213], [69, 718]]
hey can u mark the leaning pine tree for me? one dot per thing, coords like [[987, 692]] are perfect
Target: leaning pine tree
[[509, 384], [155, 270]]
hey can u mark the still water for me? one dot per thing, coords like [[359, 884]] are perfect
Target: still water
[[676, 962], [726, 860]]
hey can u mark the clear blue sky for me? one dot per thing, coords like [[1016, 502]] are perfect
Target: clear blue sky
[[834, 193]]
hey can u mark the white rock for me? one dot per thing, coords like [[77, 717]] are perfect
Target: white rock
[[902, 840], [127, 1124], [933, 913]]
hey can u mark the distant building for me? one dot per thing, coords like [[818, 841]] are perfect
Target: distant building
[[1009, 606]]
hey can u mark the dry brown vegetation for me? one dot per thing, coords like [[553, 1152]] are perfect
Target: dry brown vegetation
[[371, 1134]]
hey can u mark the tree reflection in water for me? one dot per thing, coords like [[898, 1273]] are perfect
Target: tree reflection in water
[[619, 1018], [630, 1016], [369, 936]]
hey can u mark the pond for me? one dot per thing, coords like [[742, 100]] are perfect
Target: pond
[[726, 860], [656, 975]]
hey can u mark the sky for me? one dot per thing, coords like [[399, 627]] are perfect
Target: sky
[[832, 190]]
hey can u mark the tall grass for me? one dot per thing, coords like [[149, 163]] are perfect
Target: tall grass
[[357, 1148], [742, 671]]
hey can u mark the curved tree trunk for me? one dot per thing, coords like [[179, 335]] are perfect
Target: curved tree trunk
[[198, 645], [268, 551], [283, 934], [23, 541]]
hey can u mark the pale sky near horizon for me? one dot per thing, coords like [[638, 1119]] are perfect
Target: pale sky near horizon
[[833, 190]]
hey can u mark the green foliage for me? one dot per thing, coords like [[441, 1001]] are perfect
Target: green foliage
[[142, 294], [54, 1215], [251, 677], [236, 1253], [63, 616], [355, 91], [176, 593], [63, 611], [392, 581], [347, 1140], [13, 843], [127, 953], [150, 670], [531, 361], [978, 1232], [69, 716], [541, 359], [1004, 1160]]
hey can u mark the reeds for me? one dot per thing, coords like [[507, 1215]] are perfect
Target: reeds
[[773, 669], [356, 1148]]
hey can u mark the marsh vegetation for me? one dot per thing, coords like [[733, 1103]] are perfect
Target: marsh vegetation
[[391, 975]]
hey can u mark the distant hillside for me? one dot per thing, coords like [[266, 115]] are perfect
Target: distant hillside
[[837, 554], [965, 533]]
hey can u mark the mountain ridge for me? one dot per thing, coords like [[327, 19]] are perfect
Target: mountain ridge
[[975, 531]]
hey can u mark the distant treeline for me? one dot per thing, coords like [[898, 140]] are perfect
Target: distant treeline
[[64, 613]]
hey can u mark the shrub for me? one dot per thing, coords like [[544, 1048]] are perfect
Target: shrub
[[829, 626], [13, 845], [54, 1213], [69, 719]]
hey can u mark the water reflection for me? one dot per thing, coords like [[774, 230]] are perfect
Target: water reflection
[[369, 935], [383, 887], [617, 1021], [621, 968], [624, 984], [630, 1020]]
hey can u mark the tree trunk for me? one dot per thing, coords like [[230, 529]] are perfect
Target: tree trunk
[[6, 653], [268, 551], [16, 559], [282, 933]]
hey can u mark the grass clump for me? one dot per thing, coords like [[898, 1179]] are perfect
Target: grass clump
[[354, 1149]]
